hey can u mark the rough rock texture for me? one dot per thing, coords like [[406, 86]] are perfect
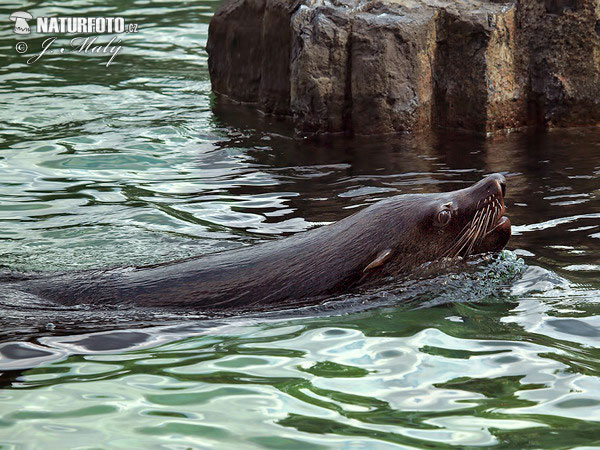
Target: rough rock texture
[[372, 67]]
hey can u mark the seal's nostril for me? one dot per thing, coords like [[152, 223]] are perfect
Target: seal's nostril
[[503, 187]]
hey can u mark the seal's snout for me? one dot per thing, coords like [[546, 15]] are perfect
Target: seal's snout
[[496, 238], [495, 183], [502, 182]]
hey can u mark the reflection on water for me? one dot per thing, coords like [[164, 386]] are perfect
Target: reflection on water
[[138, 163]]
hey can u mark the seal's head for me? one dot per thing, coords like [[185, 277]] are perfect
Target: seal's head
[[433, 226], [471, 220]]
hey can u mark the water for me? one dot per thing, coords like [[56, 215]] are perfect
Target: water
[[137, 163]]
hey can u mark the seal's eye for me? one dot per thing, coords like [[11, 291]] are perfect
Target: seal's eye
[[443, 217]]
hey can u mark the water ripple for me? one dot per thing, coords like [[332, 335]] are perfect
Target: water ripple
[[139, 163]]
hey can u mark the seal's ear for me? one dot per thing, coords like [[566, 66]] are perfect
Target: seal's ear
[[380, 259]]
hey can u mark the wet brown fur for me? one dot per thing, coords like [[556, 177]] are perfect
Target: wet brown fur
[[313, 264]]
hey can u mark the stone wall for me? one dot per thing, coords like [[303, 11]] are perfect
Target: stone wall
[[373, 67]]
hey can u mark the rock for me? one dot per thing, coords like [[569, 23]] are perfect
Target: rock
[[250, 44], [375, 67], [561, 43]]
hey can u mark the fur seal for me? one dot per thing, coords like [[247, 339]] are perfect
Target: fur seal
[[390, 237]]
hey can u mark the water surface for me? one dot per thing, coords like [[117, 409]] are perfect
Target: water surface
[[137, 163]]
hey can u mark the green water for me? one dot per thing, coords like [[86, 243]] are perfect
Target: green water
[[137, 163]]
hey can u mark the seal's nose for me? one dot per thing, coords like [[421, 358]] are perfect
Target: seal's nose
[[501, 182], [495, 182]]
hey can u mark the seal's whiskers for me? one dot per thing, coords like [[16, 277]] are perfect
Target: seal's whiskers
[[465, 236], [482, 223], [478, 230]]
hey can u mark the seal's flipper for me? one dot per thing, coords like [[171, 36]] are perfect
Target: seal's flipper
[[381, 258]]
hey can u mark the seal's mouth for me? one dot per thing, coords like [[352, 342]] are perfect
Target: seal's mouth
[[487, 231]]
